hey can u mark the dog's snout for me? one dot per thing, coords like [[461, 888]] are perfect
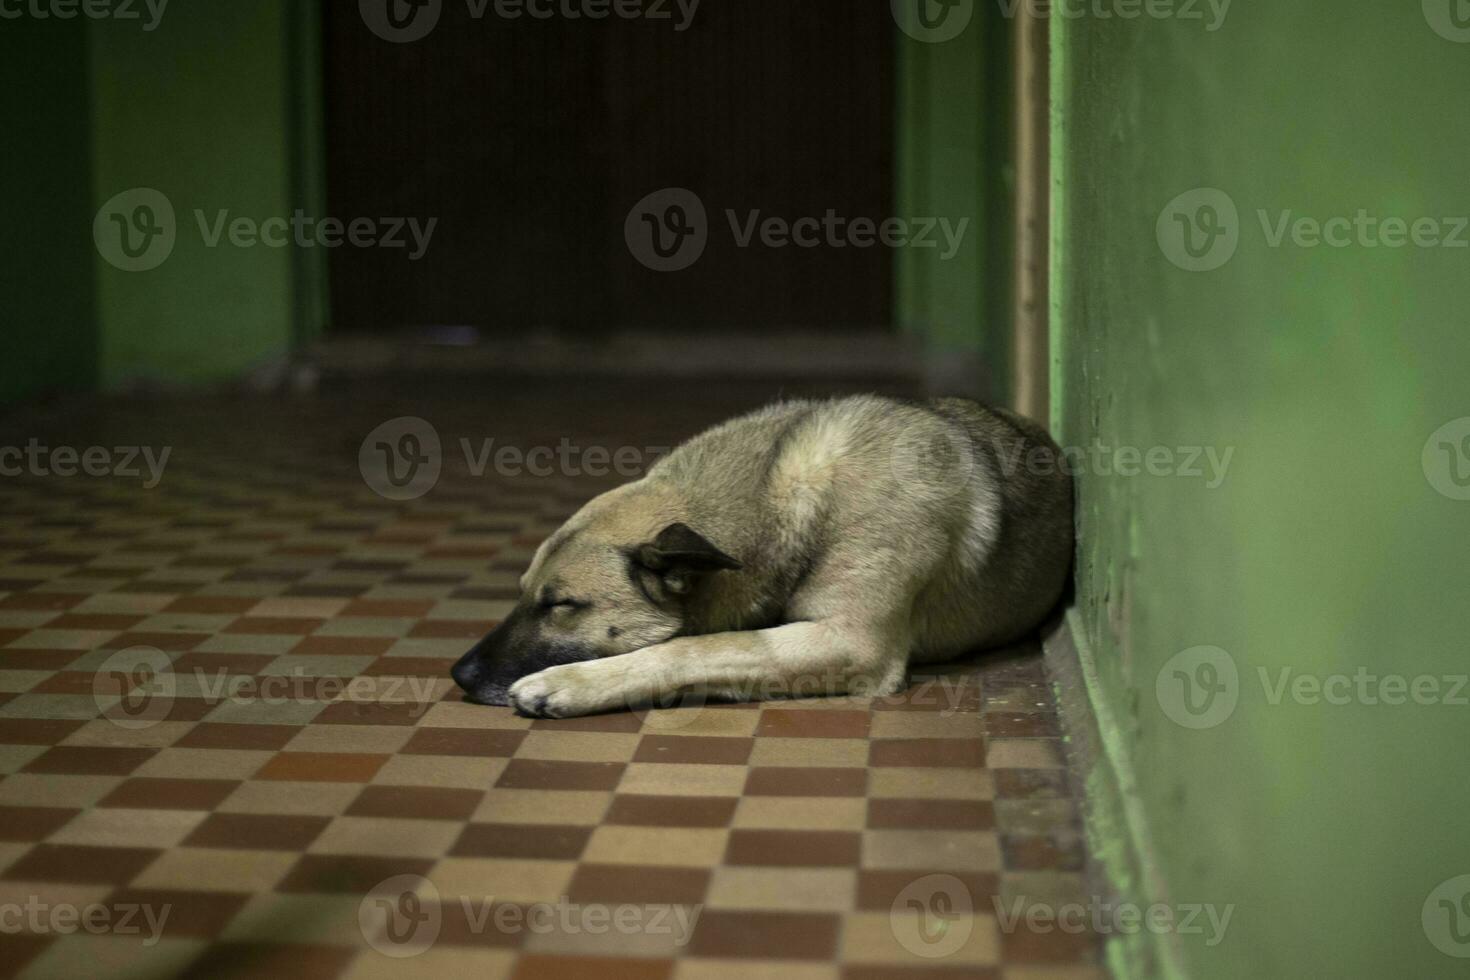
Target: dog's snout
[[466, 672]]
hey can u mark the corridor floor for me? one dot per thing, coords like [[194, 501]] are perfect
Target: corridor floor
[[229, 742]]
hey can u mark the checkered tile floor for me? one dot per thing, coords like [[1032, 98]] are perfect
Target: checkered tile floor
[[226, 698]]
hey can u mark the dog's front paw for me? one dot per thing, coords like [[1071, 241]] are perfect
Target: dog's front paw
[[557, 692]]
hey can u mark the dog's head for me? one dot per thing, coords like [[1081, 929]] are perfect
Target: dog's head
[[589, 595]]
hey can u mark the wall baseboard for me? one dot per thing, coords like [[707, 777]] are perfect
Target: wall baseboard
[[1122, 866]]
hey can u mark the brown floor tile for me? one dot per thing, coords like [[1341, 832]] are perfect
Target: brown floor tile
[[1041, 853], [257, 831], [328, 767], [464, 741], [36, 731], [1021, 724], [877, 890], [817, 723], [274, 625], [548, 841], [211, 666], [409, 667], [618, 721], [538, 774], [804, 781], [765, 935], [19, 949], [547, 967], [347, 646], [94, 621], [931, 814], [28, 824], [923, 752], [218, 735], [388, 608], [88, 760], [237, 961], [621, 884], [18, 658], [794, 848], [41, 601], [888, 972], [671, 811], [1011, 784], [1023, 945], [406, 713], [478, 925], [144, 793], [693, 749], [416, 802], [349, 874], [88, 865], [191, 914]]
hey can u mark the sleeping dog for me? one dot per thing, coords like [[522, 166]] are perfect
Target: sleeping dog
[[810, 547]]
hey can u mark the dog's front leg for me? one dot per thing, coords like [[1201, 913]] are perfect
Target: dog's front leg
[[797, 659]]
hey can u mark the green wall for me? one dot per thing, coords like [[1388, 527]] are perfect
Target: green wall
[[951, 160], [1327, 547], [200, 109], [46, 281]]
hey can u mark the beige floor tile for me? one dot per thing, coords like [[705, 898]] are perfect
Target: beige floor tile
[[801, 813], [810, 752], [671, 779], [788, 889], [461, 772], [10, 853], [291, 798], [578, 746], [931, 784], [707, 969], [50, 789], [506, 879], [298, 607], [103, 732], [690, 847], [931, 850], [581, 808], [643, 933], [1022, 753], [20, 893], [451, 714], [926, 724], [84, 955], [383, 739], [381, 836], [276, 918], [129, 828], [875, 937], [13, 757], [701, 721], [18, 681], [209, 869], [433, 964], [205, 763]]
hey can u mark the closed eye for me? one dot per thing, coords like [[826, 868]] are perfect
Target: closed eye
[[564, 604]]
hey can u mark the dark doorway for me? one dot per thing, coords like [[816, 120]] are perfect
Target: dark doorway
[[531, 139]]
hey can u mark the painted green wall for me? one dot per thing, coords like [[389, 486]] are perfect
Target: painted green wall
[[1326, 548], [46, 278], [951, 160], [197, 109]]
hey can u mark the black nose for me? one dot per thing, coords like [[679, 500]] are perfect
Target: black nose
[[466, 672]]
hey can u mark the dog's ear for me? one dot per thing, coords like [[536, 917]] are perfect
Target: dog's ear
[[679, 555]]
